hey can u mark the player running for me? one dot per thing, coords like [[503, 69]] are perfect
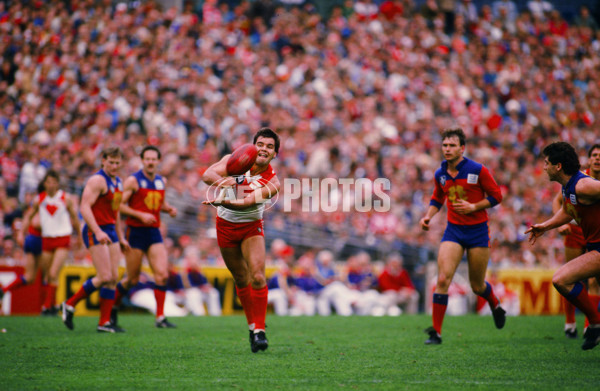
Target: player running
[[465, 183], [581, 201], [240, 231], [143, 200]]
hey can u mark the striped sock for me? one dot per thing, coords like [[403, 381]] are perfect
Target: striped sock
[[579, 297], [107, 299], [160, 292], [86, 289], [440, 303]]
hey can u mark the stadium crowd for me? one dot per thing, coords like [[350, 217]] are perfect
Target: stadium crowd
[[362, 93]]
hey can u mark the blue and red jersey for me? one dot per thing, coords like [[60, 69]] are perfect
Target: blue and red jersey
[[149, 198], [106, 207], [473, 183], [586, 216]]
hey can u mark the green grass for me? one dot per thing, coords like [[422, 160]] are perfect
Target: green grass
[[306, 353]]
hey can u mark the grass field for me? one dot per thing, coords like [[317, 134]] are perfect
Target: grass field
[[305, 353]]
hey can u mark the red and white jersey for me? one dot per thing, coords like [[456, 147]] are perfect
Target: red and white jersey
[[54, 215], [246, 184]]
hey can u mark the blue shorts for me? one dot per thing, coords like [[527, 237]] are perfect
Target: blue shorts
[[593, 246], [468, 236], [143, 237], [89, 237], [33, 244]]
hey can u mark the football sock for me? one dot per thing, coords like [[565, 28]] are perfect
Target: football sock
[[259, 304], [107, 299], [50, 300], [86, 289], [440, 303], [569, 311], [119, 293], [595, 302], [579, 297], [19, 281], [160, 292], [489, 295], [245, 295]]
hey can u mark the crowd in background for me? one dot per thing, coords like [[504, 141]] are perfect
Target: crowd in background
[[361, 91]]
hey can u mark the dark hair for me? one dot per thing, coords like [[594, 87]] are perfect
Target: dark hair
[[595, 146], [563, 153], [268, 133], [458, 132], [112, 152], [150, 148], [51, 173]]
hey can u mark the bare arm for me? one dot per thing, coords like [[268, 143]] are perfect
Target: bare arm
[[588, 191], [557, 204], [432, 211], [217, 174], [257, 196], [560, 217]]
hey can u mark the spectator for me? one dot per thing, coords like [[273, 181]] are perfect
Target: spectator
[[585, 19], [396, 285]]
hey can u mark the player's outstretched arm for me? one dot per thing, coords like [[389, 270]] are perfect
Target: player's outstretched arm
[[536, 230], [432, 211]]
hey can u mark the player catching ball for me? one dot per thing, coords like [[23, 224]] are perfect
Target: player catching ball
[[240, 233]]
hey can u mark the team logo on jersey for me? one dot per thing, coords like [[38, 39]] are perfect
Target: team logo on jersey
[[159, 185], [472, 178], [573, 199], [143, 184], [443, 180]]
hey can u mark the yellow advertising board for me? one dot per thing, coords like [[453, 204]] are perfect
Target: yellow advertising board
[[535, 290], [72, 278]]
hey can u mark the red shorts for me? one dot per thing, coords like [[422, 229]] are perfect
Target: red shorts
[[575, 238], [51, 244], [233, 234]]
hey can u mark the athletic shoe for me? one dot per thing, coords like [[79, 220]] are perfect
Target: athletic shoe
[[571, 333], [109, 328], [67, 315], [163, 323], [259, 342], [591, 338], [499, 317], [434, 337]]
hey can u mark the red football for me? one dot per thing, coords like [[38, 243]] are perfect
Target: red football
[[242, 159]]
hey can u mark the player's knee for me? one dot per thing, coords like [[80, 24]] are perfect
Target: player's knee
[[443, 282], [558, 279], [258, 280]]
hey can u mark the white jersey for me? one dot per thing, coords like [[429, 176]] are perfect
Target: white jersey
[[245, 184], [54, 215]]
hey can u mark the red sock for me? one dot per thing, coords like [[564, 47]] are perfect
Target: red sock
[[159, 295], [440, 303], [19, 281], [595, 299], [86, 289], [50, 300], [569, 311], [579, 297], [245, 295], [259, 305], [107, 300], [490, 296]]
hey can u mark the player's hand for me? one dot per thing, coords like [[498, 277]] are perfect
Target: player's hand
[[565, 229], [535, 231], [102, 238], [172, 212], [226, 182], [463, 207], [124, 245], [425, 223], [148, 218]]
